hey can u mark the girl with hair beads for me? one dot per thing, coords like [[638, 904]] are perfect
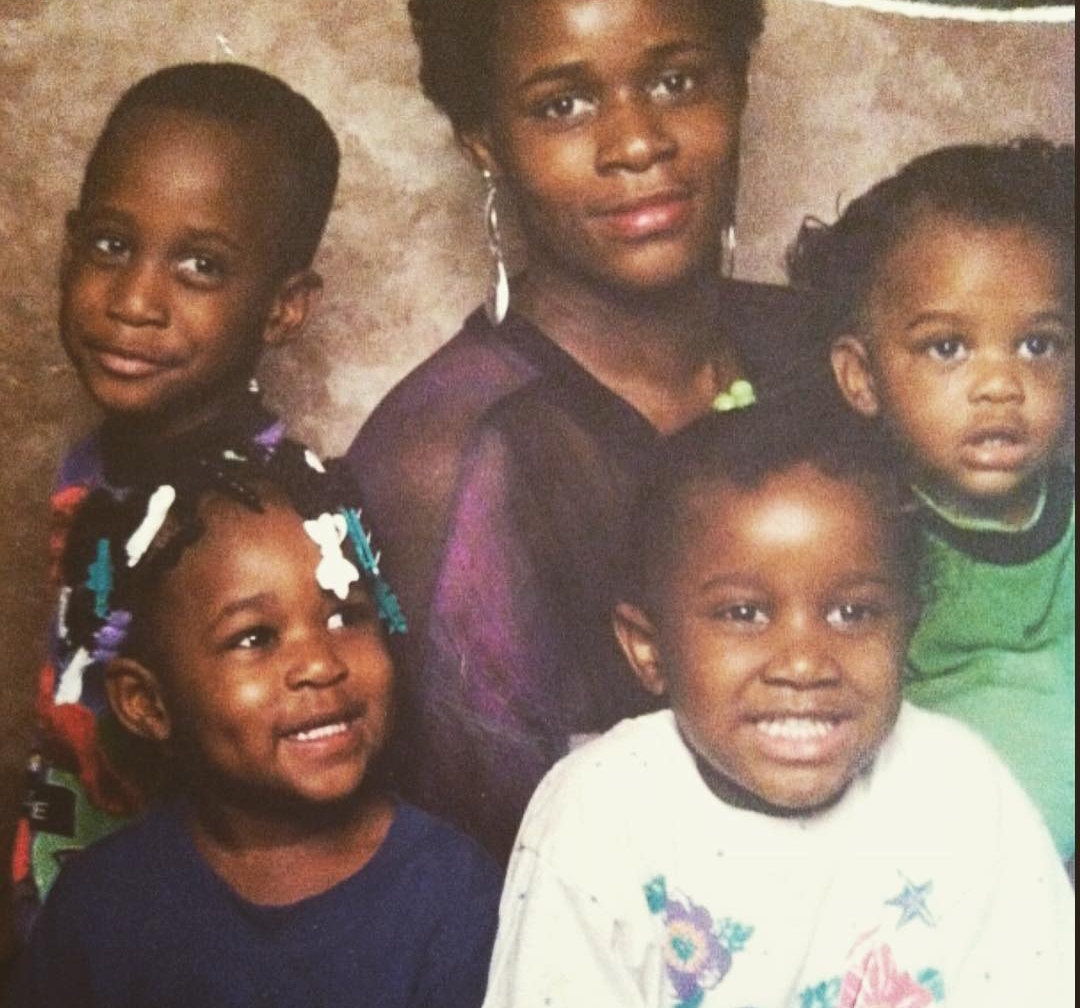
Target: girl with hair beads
[[789, 834], [955, 284], [239, 622]]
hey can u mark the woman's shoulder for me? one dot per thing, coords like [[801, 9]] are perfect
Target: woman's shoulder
[[453, 386]]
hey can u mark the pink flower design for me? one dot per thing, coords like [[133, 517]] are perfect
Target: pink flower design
[[879, 983]]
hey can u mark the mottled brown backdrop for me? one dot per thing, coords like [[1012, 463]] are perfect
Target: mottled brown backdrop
[[838, 98]]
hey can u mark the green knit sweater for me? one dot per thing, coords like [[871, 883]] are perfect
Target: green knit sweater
[[995, 645]]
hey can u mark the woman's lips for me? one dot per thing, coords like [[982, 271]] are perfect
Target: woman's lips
[[646, 218], [125, 365]]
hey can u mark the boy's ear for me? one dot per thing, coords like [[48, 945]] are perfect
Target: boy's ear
[[637, 638], [135, 697], [851, 366], [295, 298]]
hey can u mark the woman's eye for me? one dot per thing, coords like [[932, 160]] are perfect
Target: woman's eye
[[108, 247], [850, 613], [564, 107], [673, 84], [948, 348]]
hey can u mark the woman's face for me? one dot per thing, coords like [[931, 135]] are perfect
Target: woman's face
[[614, 126]]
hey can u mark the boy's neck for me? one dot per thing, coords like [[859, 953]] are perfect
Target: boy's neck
[[1016, 513], [145, 431], [272, 859]]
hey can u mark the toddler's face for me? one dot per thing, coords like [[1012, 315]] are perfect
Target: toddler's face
[[275, 686], [971, 350], [167, 280], [781, 637]]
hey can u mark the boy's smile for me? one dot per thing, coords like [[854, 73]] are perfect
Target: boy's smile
[[275, 686], [971, 352], [781, 635], [615, 125], [168, 279]]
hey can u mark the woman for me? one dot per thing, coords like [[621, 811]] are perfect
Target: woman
[[501, 471]]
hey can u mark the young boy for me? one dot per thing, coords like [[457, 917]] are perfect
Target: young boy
[[788, 833], [955, 283], [190, 250], [243, 646]]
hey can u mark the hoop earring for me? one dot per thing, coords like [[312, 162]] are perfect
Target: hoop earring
[[498, 297], [727, 252]]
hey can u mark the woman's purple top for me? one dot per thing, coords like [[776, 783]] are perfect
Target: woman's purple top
[[499, 477]]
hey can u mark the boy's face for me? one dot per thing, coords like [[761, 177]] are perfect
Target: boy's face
[[970, 357], [780, 637], [168, 278], [276, 687]]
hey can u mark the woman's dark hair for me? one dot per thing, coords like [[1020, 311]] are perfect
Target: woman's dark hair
[[456, 36], [294, 141], [744, 447], [1029, 182]]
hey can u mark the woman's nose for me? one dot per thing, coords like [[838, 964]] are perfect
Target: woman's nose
[[632, 135], [138, 294]]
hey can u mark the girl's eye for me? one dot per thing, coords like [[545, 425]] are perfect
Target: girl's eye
[[252, 638], [848, 614], [673, 84], [744, 612], [564, 107], [351, 614], [948, 348]]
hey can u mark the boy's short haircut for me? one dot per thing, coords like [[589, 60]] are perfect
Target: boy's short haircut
[[743, 448], [1027, 182], [294, 140]]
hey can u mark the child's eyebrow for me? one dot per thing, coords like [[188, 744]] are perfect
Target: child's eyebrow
[[251, 602], [211, 235]]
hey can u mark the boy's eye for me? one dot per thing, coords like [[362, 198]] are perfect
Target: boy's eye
[[1036, 345], [848, 614], [947, 348], [201, 269], [673, 84]]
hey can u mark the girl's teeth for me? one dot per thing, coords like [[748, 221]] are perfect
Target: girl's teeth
[[795, 728], [320, 733]]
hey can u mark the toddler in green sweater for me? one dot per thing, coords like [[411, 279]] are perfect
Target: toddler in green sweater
[[954, 281]]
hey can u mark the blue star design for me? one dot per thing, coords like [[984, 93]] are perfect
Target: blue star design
[[912, 903]]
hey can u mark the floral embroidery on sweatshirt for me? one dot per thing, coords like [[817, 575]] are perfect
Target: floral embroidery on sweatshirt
[[697, 950]]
